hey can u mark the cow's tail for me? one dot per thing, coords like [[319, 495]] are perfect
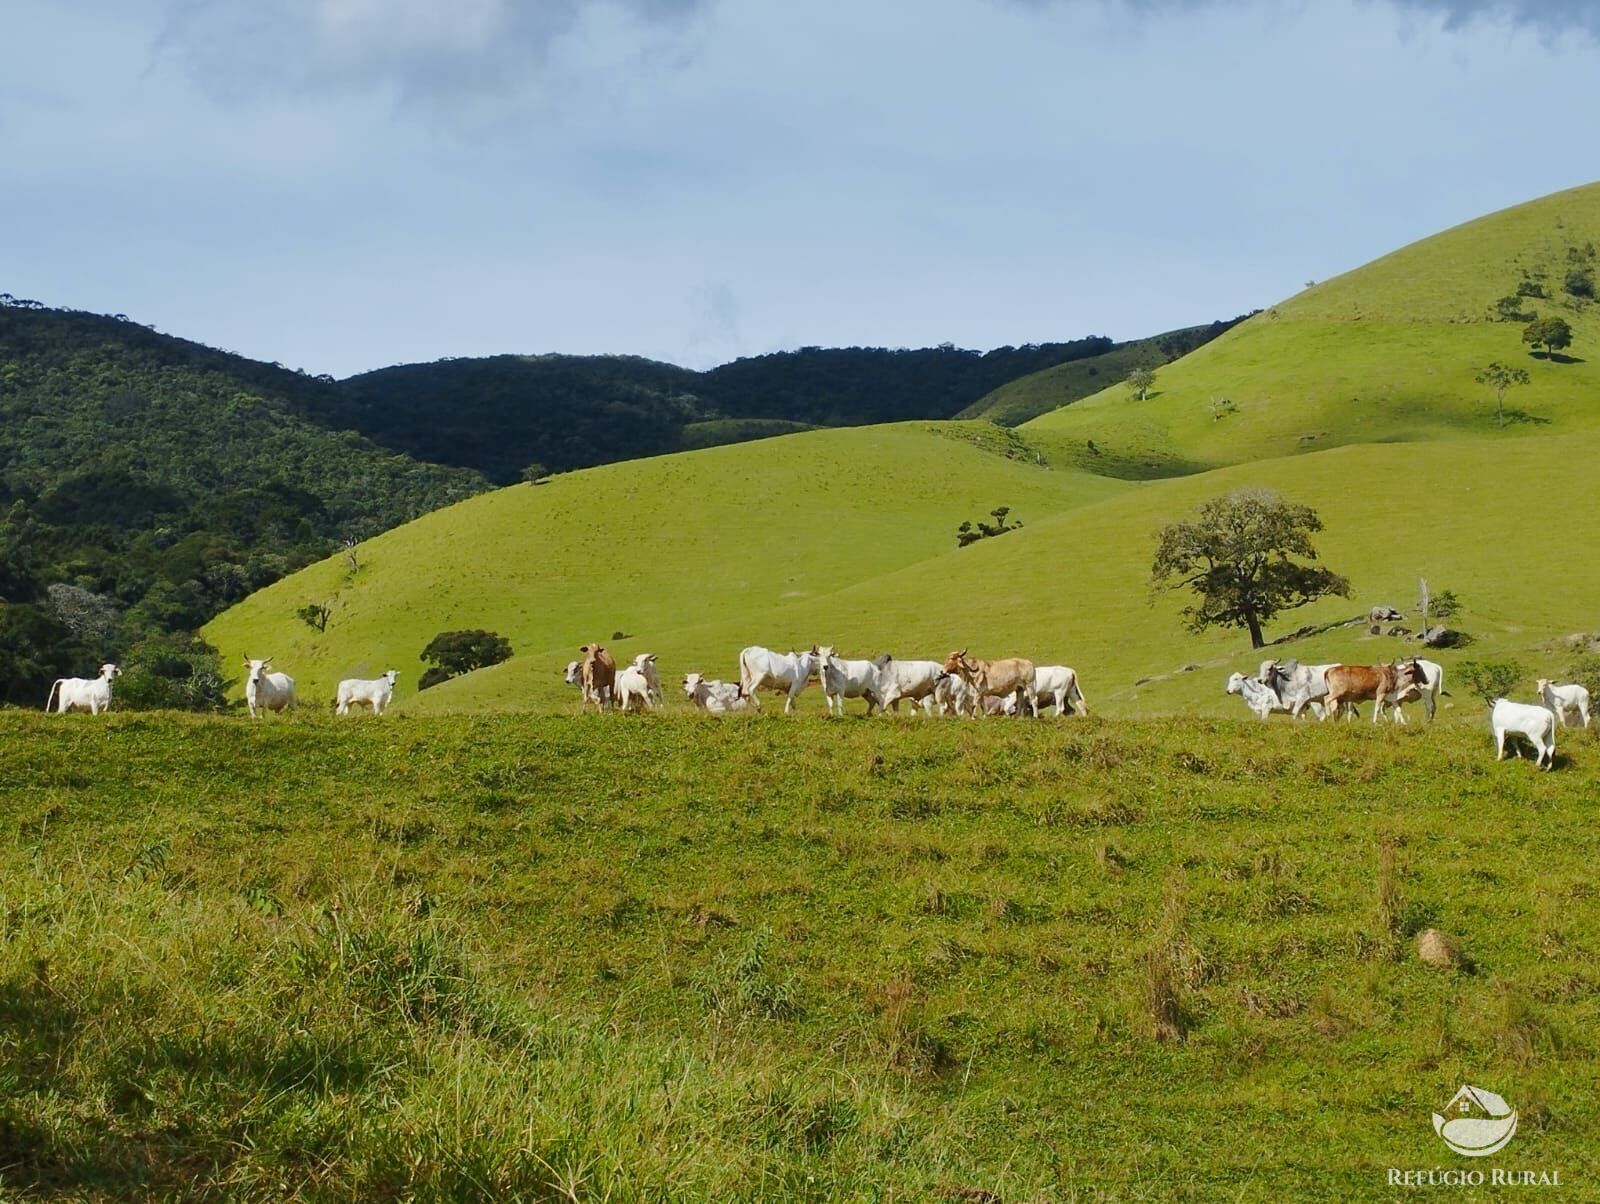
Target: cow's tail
[[1076, 694], [746, 674], [55, 686]]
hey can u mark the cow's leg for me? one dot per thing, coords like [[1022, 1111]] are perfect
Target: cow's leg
[[1499, 744], [1430, 703]]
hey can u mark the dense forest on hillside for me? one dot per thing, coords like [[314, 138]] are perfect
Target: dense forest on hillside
[[502, 413], [147, 482]]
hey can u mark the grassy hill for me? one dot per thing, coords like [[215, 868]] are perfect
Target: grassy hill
[[1037, 393], [648, 547], [486, 958], [843, 537], [1386, 353]]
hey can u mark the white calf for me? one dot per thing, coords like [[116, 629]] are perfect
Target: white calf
[[956, 695], [1537, 724], [1259, 697], [1059, 684], [645, 663], [843, 679], [374, 692], [632, 690], [1561, 699], [92, 694], [762, 668], [267, 691], [713, 696]]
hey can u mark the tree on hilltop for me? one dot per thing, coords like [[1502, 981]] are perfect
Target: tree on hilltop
[[1236, 557]]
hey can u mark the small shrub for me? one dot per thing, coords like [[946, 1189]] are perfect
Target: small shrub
[[739, 985], [1490, 679], [1579, 283]]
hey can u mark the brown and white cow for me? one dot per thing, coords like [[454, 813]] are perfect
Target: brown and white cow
[[1379, 684], [1011, 676], [598, 673]]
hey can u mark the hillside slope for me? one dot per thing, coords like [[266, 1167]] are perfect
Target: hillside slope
[[1387, 352], [1073, 589], [647, 547]]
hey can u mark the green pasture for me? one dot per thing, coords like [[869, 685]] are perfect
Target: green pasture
[[663, 958]]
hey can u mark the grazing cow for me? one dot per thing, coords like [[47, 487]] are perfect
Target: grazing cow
[[1299, 686], [995, 705], [1358, 683], [761, 668], [265, 690], [632, 687], [1259, 697], [374, 692], [1536, 723], [1059, 684], [953, 694], [598, 672], [843, 679], [994, 679], [914, 681], [92, 694], [1561, 699], [713, 696]]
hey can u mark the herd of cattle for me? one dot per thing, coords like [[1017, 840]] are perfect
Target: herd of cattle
[[961, 684]]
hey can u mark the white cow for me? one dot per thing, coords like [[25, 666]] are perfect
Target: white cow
[[913, 681], [843, 679], [265, 690], [761, 668], [645, 663], [1299, 686], [1561, 699], [574, 674], [1536, 723], [713, 696], [1428, 688], [956, 695], [92, 694], [1258, 696], [375, 692], [1059, 684], [631, 689]]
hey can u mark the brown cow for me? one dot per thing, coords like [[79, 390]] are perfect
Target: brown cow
[[994, 679], [1379, 683], [598, 673]]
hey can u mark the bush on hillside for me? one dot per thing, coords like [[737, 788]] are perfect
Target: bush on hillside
[[1490, 679], [452, 653], [1580, 283]]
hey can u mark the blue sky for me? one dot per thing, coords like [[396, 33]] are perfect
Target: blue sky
[[344, 184]]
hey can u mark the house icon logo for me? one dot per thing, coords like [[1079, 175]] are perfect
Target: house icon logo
[[1476, 1123]]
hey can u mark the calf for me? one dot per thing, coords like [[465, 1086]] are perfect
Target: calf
[[1561, 699], [265, 690], [645, 664], [761, 668], [713, 696], [1260, 698], [92, 694], [598, 673], [632, 689], [1358, 683], [1537, 724], [953, 694], [994, 679], [843, 679], [374, 692]]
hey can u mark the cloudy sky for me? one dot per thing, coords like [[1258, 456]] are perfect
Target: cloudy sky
[[344, 184]]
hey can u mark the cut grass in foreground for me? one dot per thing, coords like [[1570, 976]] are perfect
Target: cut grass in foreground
[[552, 958]]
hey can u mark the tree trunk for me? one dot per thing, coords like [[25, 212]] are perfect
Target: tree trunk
[[1255, 631]]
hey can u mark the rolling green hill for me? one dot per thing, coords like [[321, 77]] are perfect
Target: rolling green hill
[[843, 537], [647, 547], [1386, 353], [1039, 392]]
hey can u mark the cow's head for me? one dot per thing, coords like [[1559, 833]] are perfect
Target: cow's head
[[108, 671], [691, 684], [1543, 684], [960, 665], [256, 669], [1236, 683], [644, 660], [390, 674], [823, 653], [571, 675]]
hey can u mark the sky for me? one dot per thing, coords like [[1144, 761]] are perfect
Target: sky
[[340, 185]]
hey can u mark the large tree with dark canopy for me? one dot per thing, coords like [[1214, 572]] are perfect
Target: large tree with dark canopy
[[1236, 555]]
